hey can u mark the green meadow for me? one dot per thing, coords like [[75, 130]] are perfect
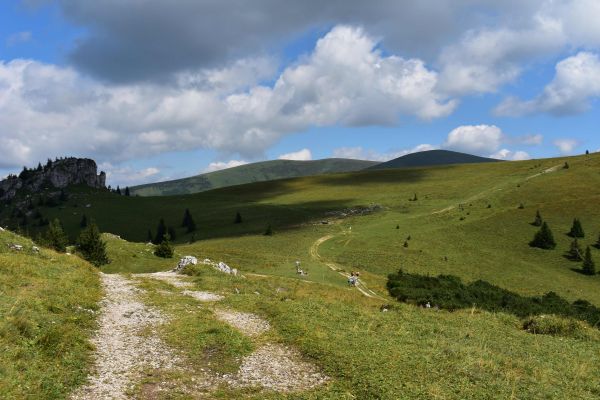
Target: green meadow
[[471, 221]]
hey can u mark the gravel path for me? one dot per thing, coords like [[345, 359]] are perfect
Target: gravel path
[[170, 277], [202, 296], [249, 324], [277, 368], [122, 351]]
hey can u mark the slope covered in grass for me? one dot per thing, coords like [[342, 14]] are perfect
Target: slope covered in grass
[[47, 310], [256, 172]]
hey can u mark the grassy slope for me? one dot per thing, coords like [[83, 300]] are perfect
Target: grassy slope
[[408, 352], [257, 172], [46, 314]]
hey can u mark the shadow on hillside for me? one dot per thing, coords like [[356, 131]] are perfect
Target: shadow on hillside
[[448, 292]]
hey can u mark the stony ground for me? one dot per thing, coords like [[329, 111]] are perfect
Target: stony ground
[[126, 343]]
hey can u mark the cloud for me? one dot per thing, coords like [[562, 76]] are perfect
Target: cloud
[[359, 153], [300, 155], [18, 38], [219, 165], [566, 146], [128, 176], [575, 83], [477, 139], [52, 110], [506, 154]]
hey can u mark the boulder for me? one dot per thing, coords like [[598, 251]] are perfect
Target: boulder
[[184, 262]]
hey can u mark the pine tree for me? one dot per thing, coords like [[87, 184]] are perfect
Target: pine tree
[[161, 231], [149, 237], [538, 219], [164, 248], [91, 246], [188, 221], [118, 191], [577, 229], [55, 237], [588, 267], [84, 222], [172, 233], [543, 239], [127, 193], [269, 231], [238, 218], [575, 252]]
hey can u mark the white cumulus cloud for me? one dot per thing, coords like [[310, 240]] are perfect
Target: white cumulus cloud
[[477, 139], [566, 146], [300, 155], [219, 165], [360, 153]]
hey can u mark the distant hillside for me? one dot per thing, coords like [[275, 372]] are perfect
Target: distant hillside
[[432, 157], [257, 172]]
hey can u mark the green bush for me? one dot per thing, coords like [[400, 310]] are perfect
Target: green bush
[[559, 326]]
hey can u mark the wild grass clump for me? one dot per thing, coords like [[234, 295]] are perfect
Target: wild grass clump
[[558, 326], [450, 293]]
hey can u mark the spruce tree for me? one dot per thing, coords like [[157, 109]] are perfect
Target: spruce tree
[[188, 221], [577, 229], [84, 222], [55, 237], [538, 219], [149, 237], [91, 246], [238, 218], [575, 252], [172, 233], [164, 248], [588, 267], [269, 231], [543, 239], [127, 193], [161, 231], [118, 191]]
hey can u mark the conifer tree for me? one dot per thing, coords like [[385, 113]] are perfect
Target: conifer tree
[[543, 239], [91, 246], [127, 193], [588, 267], [118, 191], [577, 229], [188, 221], [269, 231], [238, 218], [149, 237], [55, 237], [538, 219], [164, 248], [172, 233], [161, 231], [84, 222], [575, 252]]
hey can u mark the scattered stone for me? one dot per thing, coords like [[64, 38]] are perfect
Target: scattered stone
[[15, 247], [184, 262], [35, 249], [249, 324], [277, 368], [203, 296]]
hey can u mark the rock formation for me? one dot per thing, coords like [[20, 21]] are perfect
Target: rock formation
[[55, 174]]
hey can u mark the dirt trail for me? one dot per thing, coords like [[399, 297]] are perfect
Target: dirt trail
[[314, 253], [123, 351]]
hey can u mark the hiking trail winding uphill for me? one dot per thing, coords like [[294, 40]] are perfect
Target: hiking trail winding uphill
[[124, 348], [314, 253]]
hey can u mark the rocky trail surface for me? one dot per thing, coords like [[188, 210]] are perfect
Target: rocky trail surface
[[126, 342]]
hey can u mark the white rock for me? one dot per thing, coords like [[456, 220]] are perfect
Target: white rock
[[16, 247]]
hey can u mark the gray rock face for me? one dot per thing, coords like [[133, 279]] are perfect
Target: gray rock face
[[60, 174]]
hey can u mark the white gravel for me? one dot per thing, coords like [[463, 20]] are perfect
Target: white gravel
[[202, 296], [122, 352], [170, 277], [249, 324], [278, 368]]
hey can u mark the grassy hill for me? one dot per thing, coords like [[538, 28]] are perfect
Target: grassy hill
[[431, 158], [47, 305], [256, 172], [472, 221]]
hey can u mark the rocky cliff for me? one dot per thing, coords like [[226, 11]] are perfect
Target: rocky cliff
[[55, 174]]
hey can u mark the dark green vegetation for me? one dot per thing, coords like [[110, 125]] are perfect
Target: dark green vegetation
[[431, 158], [257, 172], [91, 246], [448, 292], [47, 305]]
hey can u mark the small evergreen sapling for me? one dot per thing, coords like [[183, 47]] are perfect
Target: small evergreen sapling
[[588, 267], [577, 229], [55, 237], [575, 252], [164, 248], [543, 239], [538, 219], [238, 218], [91, 246]]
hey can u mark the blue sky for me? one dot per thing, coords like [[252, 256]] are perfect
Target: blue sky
[[154, 91]]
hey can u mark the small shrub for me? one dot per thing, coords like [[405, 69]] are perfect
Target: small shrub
[[559, 326], [164, 248]]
